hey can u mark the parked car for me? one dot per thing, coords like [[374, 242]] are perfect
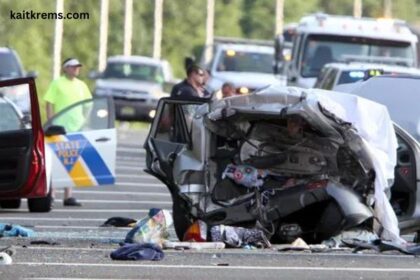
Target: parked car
[[281, 159], [399, 95], [334, 74], [136, 83], [11, 67], [82, 156]]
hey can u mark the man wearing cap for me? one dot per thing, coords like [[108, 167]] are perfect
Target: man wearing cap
[[63, 92]]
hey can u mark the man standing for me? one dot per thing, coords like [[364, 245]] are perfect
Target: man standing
[[192, 86], [63, 92]]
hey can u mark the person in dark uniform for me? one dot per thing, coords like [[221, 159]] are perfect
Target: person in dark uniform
[[192, 85]]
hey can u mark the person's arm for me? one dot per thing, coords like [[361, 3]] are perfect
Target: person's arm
[[50, 110]]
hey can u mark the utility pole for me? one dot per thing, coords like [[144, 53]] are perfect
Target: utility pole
[[357, 8], [157, 37], [209, 31], [58, 40], [103, 35], [128, 26], [388, 8], [279, 16]]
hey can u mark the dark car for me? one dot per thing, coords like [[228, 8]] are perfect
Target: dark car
[[279, 158]]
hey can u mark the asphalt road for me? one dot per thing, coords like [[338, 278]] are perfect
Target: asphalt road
[[76, 247]]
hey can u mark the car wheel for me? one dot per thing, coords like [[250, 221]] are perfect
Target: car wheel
[[40, 204], [181, 216], [10, 204]]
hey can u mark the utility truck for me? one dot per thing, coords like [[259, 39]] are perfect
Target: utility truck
[[320, 39]]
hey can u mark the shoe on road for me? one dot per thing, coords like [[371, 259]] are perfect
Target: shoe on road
[[71, 201]]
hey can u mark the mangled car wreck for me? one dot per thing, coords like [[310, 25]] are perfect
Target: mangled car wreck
[[292, 162]]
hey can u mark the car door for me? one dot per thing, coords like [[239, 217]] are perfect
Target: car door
[[82, 141], [22, 155], [169, 134]]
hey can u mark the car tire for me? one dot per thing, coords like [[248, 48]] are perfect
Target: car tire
[[181, 216], [40, 204], [10, 204]]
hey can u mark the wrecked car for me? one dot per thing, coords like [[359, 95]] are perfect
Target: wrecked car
[[289, 161]]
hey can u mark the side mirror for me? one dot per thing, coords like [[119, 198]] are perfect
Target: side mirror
[[278, 54], [55, 130], [31, 74]]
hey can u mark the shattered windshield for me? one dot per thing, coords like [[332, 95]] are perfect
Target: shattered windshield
[[320, 50]]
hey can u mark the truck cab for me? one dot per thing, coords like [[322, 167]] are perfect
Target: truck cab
[[320, 39], [245, 63]]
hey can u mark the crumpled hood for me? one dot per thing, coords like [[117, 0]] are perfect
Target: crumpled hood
[[129, 85]]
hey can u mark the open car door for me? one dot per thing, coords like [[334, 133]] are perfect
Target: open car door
[[82, 140], [169, 134], [22, 155]]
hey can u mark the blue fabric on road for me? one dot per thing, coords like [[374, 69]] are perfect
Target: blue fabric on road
[[142, 251], [8, 230]]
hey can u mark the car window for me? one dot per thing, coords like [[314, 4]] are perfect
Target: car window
[[92, 114], [12, 117], [175, 122], [240, 61], [134, 71], [9, 66], [330, 79]]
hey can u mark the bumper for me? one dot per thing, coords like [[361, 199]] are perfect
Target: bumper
[[128, 109]]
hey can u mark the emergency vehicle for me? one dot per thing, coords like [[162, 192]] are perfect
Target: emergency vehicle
[[75, 148], [320, 39]]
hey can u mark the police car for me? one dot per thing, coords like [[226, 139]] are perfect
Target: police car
[[335, 74], [77, 149]]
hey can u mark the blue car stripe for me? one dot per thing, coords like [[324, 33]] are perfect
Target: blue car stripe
[[94, 161]]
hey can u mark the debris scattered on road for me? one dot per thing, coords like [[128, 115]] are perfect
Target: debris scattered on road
[[151, 229], [119, 222], [142, 251], [193, 245], [5, 259], [9, 230]]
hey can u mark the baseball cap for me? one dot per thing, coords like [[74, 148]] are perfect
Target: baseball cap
[[71, 62]]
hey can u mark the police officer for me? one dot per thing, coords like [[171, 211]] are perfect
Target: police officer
[[192, 86]]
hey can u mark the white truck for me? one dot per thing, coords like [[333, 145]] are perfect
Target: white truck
[[320, 39], [245, 63]]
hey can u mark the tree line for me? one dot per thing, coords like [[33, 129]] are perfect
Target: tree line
[[183, 31]]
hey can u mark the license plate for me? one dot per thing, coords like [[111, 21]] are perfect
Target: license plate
[[127, 111]]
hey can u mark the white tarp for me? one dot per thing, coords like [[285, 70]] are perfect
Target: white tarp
[[374, 125]]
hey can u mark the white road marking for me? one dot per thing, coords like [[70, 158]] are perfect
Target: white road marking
[[83, 227], [233, 267], [117, 193], [78, 210], [126, 167], [93, 201], [52, 219], [131, 150], [134, 176], [140, 184]]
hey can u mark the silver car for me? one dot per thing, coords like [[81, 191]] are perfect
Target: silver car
[[136, 83], [276, 159]]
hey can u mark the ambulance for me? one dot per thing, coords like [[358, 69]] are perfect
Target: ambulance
[[321, 38]]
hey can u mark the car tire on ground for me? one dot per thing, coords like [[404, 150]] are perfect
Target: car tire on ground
[[181, 216], [10, 204], [40, 204]]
